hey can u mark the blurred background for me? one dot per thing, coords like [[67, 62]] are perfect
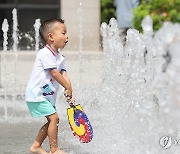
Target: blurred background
[[29, 10], [93, 13]]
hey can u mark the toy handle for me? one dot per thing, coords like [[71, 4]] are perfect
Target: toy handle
[[74, 107]]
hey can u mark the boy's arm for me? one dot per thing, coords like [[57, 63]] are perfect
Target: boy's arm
[[64, 74], [61, 80]]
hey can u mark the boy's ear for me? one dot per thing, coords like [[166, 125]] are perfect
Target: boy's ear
[[50, 37]]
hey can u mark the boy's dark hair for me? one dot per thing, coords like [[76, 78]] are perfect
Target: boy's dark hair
[[44, 28]]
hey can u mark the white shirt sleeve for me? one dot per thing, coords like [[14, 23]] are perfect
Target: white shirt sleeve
[[48, 60], [63, 65]]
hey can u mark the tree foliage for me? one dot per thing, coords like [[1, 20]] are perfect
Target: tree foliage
[[159, 10]]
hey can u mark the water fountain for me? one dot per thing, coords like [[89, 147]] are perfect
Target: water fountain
[[12, 88], [80, 15], [36, 27], [137, 102], [5, 27]]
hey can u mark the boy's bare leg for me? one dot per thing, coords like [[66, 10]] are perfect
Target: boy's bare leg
[[53, 134], [36, 147]]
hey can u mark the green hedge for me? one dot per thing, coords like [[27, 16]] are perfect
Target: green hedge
[[108, 10], [159, 10]]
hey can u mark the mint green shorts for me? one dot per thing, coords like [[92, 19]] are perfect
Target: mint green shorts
[[41, 109]]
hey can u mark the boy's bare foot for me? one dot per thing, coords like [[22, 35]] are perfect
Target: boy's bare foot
[[37, 150]]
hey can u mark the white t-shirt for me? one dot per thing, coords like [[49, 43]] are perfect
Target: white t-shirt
[[42, 86]]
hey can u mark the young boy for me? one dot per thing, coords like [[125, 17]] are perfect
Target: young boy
[[49, 71]]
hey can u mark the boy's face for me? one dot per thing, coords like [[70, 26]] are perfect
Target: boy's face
[[58, 36]]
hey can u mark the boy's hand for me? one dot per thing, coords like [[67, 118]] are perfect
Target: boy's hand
[[70, 99], [68, 95]]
